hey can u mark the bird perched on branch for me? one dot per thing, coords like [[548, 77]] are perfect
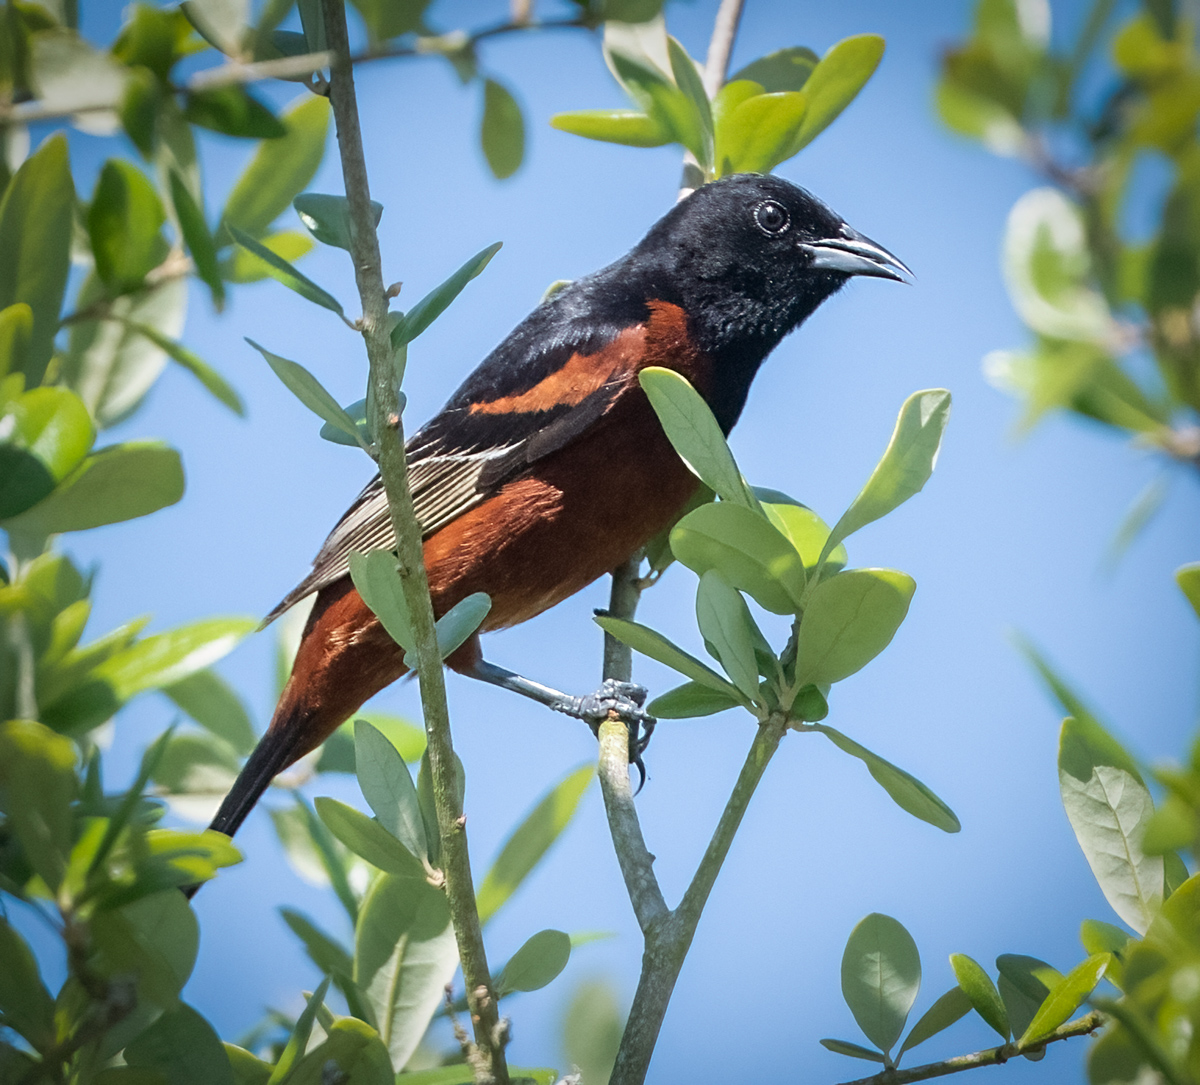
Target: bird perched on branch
[[548, 467]]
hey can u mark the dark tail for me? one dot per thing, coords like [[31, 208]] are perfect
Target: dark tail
[[271, 756]]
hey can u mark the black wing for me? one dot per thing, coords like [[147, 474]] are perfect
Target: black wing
[[554, 376]]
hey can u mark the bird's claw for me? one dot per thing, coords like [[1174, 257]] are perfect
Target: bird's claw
[[626, 700]]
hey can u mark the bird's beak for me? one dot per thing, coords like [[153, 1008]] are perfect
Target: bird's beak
[[853, 254]]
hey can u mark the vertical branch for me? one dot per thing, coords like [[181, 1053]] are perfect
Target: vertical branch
[[720, 45], [460, 892]]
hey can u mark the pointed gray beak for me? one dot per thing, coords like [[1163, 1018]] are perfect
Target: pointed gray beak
[[853, 254]]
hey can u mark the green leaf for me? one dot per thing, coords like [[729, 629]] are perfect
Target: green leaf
[[47, 434], [154, 940], [759, 133], [310, 391], [530, 841], [689, 701], [183, 1047], [376, 579], [232, 111], [197, 763], [1065, 998], [668, 106], [241, 266], [313, 851], [200, 243], [325, 952], [881, 975], [906, 790], [357, 413], [388, 787], [950, 1007], [124, 223], [68, 73], [782, 70], [1109, 806], [854, 1051], [293, 1052], [404, 955], [25, 1004], [352, 1053], [368, 839], [803, 528], [37, 785], [428, 805], [108, 364], [693, 431], [536, 964], [726, 625], [502, 130], [117, 483], [280, 170], [1099, 937], [1188, 579], [433, 304], [687, 79], [982, 993], [849, 620], [280, 270], [390, 18], [16, 329], [628, 127], [222, 23], [1024, 984], [220, 388], [247, 1069], [36, 214], [327, 218], [835, 82], [905, 466], [461, 621], [747, 550], [653, 644]]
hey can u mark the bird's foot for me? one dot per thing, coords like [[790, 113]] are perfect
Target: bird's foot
[[626, 700]]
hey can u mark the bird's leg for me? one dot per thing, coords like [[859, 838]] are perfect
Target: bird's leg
[[624, 698]]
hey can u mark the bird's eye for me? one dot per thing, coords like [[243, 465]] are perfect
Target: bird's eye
[[771, 217]]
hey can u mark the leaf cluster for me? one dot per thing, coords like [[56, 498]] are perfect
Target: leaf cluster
[[765, 114]]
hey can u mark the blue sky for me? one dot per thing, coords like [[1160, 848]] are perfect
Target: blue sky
[[1010, 535]]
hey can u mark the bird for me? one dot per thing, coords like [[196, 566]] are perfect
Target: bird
[[548, 467]]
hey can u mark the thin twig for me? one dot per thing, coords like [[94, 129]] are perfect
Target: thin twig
[[716, 64], [460, 892], [993, 1056]]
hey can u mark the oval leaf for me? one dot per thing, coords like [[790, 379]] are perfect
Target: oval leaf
[[625, 126], [461, 621], [979, 988], [693, 431], [327, 218], [388, 787], [748, 551], [377, 581], [849, 620], [905, 467], [45, 434], [536, 963], [835, 82], [1065, 998], [502, 130], [689, 701], [881, 975], [726, 625], [950, 1007], [368, 839]]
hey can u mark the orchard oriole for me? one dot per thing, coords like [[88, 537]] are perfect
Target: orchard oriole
[[548, 467]]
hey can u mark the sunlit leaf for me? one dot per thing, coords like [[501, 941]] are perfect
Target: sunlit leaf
[[47, 433], [1065, 998], [905, 466], [388, 787], [835, 82], [689, 701], [404, 955], [377, 580], [625, 126], [982, 992], [881, 975], [653, 644], [949, 1008], [368, 839], [124, 221], [327, 218], [36, 213]]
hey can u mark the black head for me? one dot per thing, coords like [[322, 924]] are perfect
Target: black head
[[749, 258]]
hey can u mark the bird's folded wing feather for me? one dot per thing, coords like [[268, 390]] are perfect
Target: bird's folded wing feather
[[480, 441]]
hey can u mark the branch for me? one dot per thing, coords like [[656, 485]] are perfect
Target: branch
[[993, 1056], [490, 1035]]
